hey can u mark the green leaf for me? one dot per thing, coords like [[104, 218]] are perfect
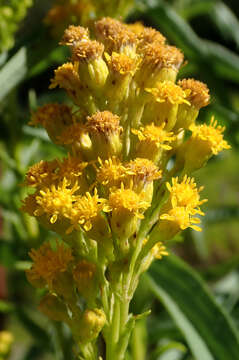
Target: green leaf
[[6, 307], [13, 72], [208, 330], [225, 20]]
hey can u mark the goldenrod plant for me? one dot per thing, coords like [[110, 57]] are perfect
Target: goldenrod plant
[[125, 187]]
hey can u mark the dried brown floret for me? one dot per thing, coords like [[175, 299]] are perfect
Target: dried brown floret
[[157, 55], [87, 51], [199, 93], [103, 122], [114, 34], [74, 34], [150, 35]]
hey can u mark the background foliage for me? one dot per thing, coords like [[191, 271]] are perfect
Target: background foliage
[[195, 313]]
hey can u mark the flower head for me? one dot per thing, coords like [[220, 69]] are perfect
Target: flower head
[[41, 174], [71, 167], [143, 170], [87, 51], [155, 134], [111, 172], [210, 136], [86, 209], [127, 200], [49, 263], [74, 34], [157, 55], [103, 122], [177, 219], [185, 193], [56, 201], [66, 77], [167, 91], [115, 35], [120, 63], [197, 92]]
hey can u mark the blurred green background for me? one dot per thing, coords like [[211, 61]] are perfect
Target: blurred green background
[[208, 33]]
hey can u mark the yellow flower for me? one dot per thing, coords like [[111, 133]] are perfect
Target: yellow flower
[[49, 263], [156, 135], [127, 201], [210, 136], [56, 201], [66, 77], [167, 91], [121, 63], [86, 210], [105, 133], [176, 219], [71, 167], [205, 141], [41, 174], [185, 193], [143, 170], [111, 172]]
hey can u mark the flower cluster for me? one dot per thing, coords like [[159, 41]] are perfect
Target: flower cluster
[[126, 124]]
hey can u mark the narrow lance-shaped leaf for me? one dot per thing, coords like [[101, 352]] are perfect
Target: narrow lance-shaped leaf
[[208, 330]]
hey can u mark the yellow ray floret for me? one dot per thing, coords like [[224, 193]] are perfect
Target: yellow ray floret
[[159, 250], [179, 218], [185, 193], [48, 264], [126, 199], [121, 63], [155, 134], [42, 173], [66, 77], [110, 172], [167, 91], [56, 201], [86, 209], [211, 135], [71, 167]]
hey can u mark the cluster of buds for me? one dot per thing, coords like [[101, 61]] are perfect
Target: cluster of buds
[[124, 188]]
